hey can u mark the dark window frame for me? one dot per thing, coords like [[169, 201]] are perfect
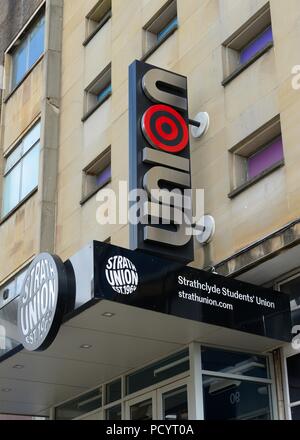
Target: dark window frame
[[232, 47], [254, 143], [22, 38], [103, 161], [101, 24], [148, 28], [23, 155], [102, 81]]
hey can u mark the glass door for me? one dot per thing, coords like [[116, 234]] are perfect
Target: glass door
[[173, 402], [142, 407]]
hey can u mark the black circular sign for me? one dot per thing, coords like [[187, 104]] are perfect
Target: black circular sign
[[42, 302]]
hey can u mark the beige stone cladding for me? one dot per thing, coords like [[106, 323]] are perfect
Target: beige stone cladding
[[253, 98], [260, 93]]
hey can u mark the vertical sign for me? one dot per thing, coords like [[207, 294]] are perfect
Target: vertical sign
[[160, 162]]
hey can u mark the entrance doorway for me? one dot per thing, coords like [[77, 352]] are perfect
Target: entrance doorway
[[142, 407], [207, 383], [166, 403]]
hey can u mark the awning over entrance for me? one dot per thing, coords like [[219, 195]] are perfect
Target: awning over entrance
[[130, 308], [127, 340]]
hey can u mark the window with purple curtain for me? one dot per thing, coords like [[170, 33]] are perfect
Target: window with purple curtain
[[265, 158], [104, 176], [256, 45]]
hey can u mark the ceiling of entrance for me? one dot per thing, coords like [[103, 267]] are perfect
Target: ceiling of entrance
[[30, 383]]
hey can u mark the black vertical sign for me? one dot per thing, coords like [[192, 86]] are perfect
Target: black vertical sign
[[159, 159]]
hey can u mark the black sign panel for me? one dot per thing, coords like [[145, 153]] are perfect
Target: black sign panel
[[142, 280], [159, 157]]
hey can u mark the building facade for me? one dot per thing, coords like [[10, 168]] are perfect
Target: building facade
[[64, 139]]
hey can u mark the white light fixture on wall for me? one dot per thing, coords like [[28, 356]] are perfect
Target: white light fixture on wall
[[201, 128], [207, 228]]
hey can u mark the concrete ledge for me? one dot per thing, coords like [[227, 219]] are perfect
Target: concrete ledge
[[268, 247]]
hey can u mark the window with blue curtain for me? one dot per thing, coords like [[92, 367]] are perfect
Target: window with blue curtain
[[28, 52], [170, 27], [104, 93], [21, 170]]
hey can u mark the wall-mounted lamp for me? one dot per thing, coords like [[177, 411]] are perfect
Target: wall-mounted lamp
[[206, 228], [200, 124]]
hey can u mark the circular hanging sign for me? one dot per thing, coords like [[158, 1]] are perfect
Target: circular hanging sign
[[165, 128], [42, 302]]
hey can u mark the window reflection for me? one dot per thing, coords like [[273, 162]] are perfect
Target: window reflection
[[175, 404], [226, 399], [21, 171], [234, 363], [141, 411], [28, 52]]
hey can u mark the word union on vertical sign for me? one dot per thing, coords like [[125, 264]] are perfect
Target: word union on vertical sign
[[159, 160]]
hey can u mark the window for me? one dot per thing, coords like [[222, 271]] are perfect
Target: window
[[265, 158], [233, 362], [247, 44], [97, 18], [9, 293], [96, 175], [12, 289], [167, 30], [79, 406], [256, 45], [256, 156], [28, 51], [114, 413], [110, 399], [160, 27], [104, 93], [155, 373], [175, 404], [97, 92], [21, 170], [235, 399], [293, 372], [235, 385], [113, 391], [291, 286]]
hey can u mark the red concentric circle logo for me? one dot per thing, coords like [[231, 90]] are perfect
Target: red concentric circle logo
[[165, 128]]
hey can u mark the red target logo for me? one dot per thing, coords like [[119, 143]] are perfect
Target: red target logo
[[165, 128]]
